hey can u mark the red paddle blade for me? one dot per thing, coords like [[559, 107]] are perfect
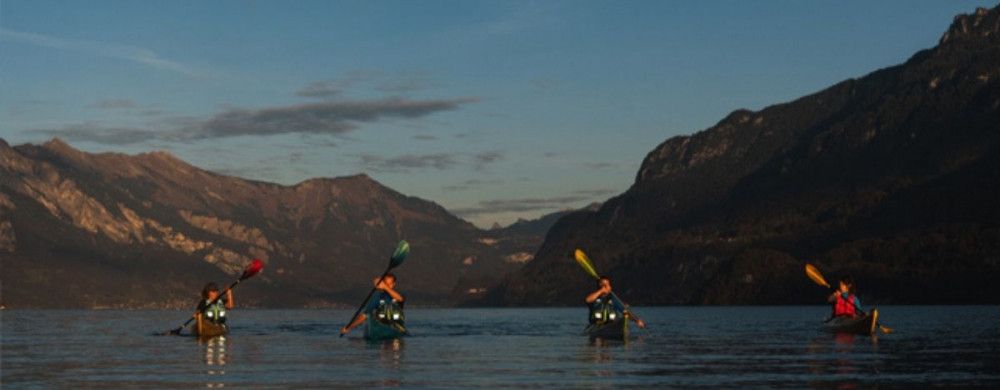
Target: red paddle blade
[[255, 266]]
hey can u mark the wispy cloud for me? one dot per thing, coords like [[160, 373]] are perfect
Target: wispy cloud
[[471, 184], [102, 134], [481, 160], [327, 118], [321, 89], [319, 118], [528, 205], [520, 205], [407, 162], [440, 161], [370, 80], [134, 54], [112, 104]]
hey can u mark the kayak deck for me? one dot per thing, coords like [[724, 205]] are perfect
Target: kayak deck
[[612, 330], [209, 329], [376, 330], [867, 324]]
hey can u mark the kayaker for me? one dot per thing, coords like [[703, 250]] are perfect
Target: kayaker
[[216, 312], [845, 303], [387, 299], [604, 305]]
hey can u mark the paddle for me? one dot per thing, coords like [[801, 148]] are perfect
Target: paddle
[[813, 273], [251, 270], [402, 249], [588, 266]]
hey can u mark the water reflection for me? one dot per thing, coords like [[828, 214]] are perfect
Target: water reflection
[[390, 356], [844, 358], [215, 361], [599, 353]]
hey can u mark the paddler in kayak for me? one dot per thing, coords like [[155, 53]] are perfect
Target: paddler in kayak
[[605, 307], [211, 317], [845, 303], [386, 306]]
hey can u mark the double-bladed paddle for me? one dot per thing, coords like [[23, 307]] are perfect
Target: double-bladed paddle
[[588, 266], [402, 249], [251, 270], [813, 273]]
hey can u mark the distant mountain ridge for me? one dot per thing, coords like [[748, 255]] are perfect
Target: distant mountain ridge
[[893, 177], [112, 230]]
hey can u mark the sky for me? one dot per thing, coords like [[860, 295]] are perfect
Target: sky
[[496, 110]]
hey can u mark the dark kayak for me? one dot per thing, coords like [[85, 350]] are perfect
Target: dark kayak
[[866, 324], [611, 330], [209, 329], [376, 330]]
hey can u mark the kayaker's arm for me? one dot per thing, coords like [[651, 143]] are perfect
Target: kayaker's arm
[[229, 299], [625, 309], [597, 294], [388, 289], [396, 296], [638, 321], [833, 297], [357, 321]]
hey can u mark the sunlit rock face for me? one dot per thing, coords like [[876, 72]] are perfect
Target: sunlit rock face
[[893, 177], [113, 230]]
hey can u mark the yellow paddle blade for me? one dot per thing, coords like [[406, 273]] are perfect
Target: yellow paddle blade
[[817, 277], [885, 329], [584, 261]]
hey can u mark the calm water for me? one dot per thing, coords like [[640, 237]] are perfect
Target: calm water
[[466, 348]]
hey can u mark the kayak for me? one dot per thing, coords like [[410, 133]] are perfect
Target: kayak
[[209, 329], [612, 330], [376, 330], [859, 325]]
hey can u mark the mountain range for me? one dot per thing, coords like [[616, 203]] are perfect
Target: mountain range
[[113, 230], [893, 178]]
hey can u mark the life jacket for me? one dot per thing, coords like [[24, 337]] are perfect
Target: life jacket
[[603, 310], [388, 311], [844, 306], [215, 312]]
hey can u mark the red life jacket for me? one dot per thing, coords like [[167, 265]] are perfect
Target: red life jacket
[[844, 307]]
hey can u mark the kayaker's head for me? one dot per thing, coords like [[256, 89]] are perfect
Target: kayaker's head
[[604, 283], [210, 291], [846, 285]]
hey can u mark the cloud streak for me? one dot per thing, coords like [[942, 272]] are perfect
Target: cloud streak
[[519, 205], [319, 118], [528, 205], [107, 135], [440, 161], [326, 118], [408, 162], [134, 54], [321, 89]]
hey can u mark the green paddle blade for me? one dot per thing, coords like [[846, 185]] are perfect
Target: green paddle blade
[[400, 254], [584, 261]]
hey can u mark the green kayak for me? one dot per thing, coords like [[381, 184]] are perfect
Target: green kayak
[[376, 330], [867, 324], [611, 330]]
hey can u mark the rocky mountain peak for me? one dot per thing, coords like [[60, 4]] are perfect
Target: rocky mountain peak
[[982, 24]]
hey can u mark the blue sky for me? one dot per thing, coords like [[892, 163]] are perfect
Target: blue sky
[[496, 110]]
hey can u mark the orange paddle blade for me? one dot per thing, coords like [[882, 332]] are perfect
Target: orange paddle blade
[[817, 277]]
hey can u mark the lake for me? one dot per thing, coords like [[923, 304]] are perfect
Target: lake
[[683, 347]]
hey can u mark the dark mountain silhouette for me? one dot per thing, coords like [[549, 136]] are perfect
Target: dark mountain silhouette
[[112, 230], [893, 177]]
